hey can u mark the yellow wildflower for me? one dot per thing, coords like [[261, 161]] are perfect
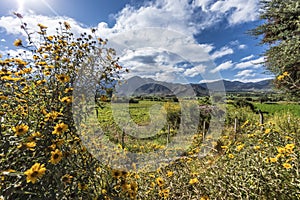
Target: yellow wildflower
[[268, 130], [159, 181], [60, 128], [50, 37], [56, 156], [42, 26], [35, 172], [67, 25], [18, 42], [289, 147], [273, 159], [230, 155], [287, 165], [63, 78], [240, 147], [20, 129], [281, 150], [256, 147], [170, 173], [285, 74], [193, 181], [67, 100]]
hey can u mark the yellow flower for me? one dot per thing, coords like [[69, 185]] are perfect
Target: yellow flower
[[273, 159], [63, 78], [34, 135], [289, 147], [35, 172], [268, 130], [116, 173], [280, 77], [67, 25], [159, 181], [164, 193], [285, 74], [256, 147], [20, 129], [240, 147], [18, 42], [193, 181], [50, 37], [30, 145], [67, 178], [169, 173], [39, 82], [67, 90], [67, 100], [230, 155], [56, 156], [279, 156], [287, 165], [60, 128], [42, 26], [133, 186], [281, 150], [51, 116]]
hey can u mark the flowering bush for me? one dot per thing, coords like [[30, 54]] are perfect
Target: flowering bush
[[41, 154]]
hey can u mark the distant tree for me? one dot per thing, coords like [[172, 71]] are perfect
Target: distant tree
[[281, 31]]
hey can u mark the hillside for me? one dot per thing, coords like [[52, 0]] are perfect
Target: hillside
[[136, 86]]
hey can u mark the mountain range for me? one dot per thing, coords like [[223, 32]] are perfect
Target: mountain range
[[137, 86]]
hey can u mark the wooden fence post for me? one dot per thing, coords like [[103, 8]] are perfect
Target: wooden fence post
[[235, 125], [261, 117], [203, 130], [122, 139], [168, 134]]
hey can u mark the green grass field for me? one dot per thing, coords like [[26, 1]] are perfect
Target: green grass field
[[279, 108]]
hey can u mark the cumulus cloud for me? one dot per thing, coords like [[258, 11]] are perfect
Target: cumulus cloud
[[176, 23], [251, 80], [223, 66], [3, 40], [247, 57], [237, 11], [12, 24], [245, 73], [195, 71], [250, 63], [242, 46], [222, 52]]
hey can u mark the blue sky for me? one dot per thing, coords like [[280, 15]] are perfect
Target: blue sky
[[168, 40]]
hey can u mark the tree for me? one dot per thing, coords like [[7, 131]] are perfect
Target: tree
[[281, 31]]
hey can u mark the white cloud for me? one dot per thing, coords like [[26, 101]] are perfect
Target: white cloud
[[245, 73], [210, 80], [248, 80], [242, 46], [176, 23], [247, 57], [170, 14], [237, 11], [194, 71], [223, 66], [222, 52], [3, 40], [251, 63], [12, 24]]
